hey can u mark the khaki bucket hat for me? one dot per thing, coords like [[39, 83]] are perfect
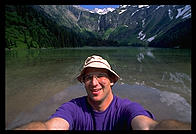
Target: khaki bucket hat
[[97, 62]]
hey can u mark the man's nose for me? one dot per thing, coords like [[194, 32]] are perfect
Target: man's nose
[[94, 81]]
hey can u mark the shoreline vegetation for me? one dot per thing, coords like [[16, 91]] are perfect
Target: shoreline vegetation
[[95, 47]]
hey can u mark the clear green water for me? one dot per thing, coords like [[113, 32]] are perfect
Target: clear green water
[[34, 76]]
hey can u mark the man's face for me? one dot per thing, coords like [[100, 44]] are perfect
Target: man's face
[[97, 84]]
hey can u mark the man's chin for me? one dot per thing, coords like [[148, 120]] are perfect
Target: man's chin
[[94, 98]]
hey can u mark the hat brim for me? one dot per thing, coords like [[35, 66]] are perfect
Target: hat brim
[[114, 76]]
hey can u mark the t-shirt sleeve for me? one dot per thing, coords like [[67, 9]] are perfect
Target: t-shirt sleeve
[[134, 109], [65, 111]]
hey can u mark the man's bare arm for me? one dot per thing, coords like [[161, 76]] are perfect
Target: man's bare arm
[[52, 124], [142, 122], [57, 124]]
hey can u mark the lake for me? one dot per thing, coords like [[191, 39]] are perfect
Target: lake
[[39, 80]]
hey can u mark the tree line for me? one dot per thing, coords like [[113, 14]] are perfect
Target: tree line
[[26, 27]]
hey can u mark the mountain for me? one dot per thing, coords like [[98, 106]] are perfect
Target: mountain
[[128, 25], [102, 11]]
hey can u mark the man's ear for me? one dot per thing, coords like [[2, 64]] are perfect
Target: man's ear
[[112, 83]]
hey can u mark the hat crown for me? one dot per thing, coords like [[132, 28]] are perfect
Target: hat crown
[[97, 62], [96, 58]]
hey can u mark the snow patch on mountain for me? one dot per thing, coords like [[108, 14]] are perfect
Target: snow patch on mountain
[[169, 13], [122, 11], [140, 6], [159, 7], [141, 36], [143, 22], [124, 6], [151, 38], [102, 11], [184, 12], [134, 12]]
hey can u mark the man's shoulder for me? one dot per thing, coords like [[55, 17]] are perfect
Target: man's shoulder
[[76, 105], [124, 102], [79, 100]]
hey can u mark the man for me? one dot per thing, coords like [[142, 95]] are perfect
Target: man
[[100, 109]]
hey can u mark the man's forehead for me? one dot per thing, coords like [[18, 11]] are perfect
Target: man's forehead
[[95, 70]]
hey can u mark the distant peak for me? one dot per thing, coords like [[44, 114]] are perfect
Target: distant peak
[[102, 11], [81, 8], [124, 6], [141, 6]]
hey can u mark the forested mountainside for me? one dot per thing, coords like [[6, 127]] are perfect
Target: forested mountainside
[[58, 26]]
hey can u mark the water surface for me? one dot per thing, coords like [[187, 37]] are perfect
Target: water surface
[[39, 80]]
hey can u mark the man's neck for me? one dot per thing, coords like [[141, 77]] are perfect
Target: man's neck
[[101, 105]]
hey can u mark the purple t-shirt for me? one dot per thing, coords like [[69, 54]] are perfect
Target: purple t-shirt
[[80, 115]]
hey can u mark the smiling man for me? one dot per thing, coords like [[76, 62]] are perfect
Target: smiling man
[[100, 109]]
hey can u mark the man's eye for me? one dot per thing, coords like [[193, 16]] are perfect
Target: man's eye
[[88, 77], [101, 75]]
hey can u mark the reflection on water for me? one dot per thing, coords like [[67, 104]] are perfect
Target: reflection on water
[[34, 76], [168, 105]]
